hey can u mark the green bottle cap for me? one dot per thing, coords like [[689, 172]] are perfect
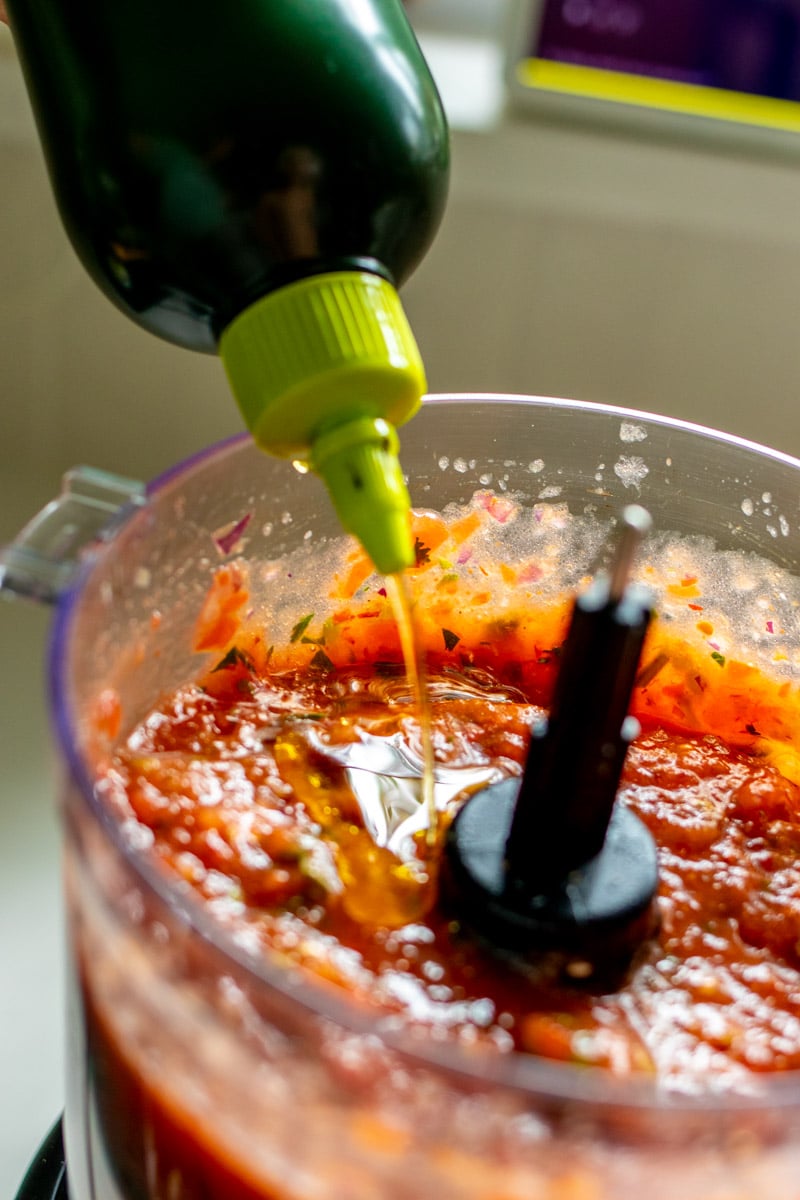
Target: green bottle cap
[[322, 370]]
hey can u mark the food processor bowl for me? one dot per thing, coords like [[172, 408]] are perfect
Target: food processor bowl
[[198, 1066]]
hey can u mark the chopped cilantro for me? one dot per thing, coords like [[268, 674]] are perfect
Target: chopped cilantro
[[301, 626], [322, 662], [548, 654], [234, 658], [422, 553], [309, 641], [718, 658], [451, 639]]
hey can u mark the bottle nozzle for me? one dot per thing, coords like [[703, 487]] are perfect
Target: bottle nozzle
[[324, 369], [359, 464]]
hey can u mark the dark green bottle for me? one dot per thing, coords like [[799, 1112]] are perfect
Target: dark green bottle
[[256, 178]]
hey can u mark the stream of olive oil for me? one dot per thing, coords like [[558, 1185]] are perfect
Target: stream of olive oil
[[387, 863], [380, 887], [415, 669]]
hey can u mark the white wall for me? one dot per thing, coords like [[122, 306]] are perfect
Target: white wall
[[580, 263]]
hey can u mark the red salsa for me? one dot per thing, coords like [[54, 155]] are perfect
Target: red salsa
[[245, 781]]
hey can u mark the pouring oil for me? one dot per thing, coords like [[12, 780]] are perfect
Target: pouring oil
[[397, 587]]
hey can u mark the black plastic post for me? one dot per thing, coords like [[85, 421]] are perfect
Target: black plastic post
[[551, 861]]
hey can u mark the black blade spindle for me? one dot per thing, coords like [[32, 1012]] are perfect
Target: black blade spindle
[[551, 861]]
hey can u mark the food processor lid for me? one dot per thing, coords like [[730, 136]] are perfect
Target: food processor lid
[[46, 1178]]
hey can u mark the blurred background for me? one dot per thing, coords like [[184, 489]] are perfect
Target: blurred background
[[645, 254]]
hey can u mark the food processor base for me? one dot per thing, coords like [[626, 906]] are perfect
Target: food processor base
[[46, 1178]]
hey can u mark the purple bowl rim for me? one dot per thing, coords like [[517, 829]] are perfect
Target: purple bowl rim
[[518, 1072]]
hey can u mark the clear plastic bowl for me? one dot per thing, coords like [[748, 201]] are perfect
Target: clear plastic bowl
[[197, 1070]]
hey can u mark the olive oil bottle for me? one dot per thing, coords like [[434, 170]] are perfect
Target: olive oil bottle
[[257, 178]]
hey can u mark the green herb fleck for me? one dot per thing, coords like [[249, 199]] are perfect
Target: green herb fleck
[[309, 641], [547, 655], [718, 658], [451, 639], [752, 729], [301, 626], [422, 553], [322, 662], [450, 577], [235, 658]]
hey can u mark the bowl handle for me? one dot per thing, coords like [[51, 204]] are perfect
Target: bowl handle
[[44, 556]]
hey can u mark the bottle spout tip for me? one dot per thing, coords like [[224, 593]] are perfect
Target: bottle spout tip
[[358, 462]]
